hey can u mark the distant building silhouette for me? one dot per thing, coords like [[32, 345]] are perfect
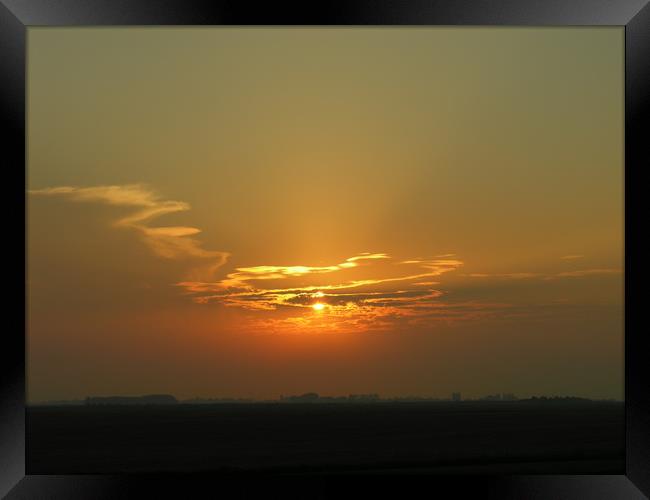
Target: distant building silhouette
[[455, 396], [492, 397], [303, 398], [310, 397], [363, 397], [210, 401]]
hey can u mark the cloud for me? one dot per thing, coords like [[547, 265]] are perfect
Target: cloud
[[170, 242], [243, 279], [584, 272], [367, 255], [367, 291], [514, 276], [566, 274], [375, 290], [354, 318]]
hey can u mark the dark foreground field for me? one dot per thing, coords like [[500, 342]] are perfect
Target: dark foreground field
[[466, 437]]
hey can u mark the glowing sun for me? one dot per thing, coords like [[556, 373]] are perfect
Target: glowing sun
[[318, 306]]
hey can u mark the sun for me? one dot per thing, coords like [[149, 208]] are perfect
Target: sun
[[318, 306]]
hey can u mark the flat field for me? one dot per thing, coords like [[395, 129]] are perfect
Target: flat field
[[314, 438]]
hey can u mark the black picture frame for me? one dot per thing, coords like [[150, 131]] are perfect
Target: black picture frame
[[17, 15]]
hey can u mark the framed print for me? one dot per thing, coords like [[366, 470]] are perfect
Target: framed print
[[368, 239]]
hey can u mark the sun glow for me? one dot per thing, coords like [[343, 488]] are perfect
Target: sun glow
[[318, 306]]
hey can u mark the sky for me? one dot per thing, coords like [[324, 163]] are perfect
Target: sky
[[250, 212]]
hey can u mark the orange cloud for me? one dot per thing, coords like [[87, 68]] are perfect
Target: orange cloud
[[169, 242], [367, 291], [584, 272], [514, 276], [388, 290], [566, 274]]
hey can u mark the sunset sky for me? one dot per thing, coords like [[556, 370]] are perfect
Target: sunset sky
[[250, 212]]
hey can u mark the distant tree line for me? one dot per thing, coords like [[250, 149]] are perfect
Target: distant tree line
[[309, 397], [152, 399]]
